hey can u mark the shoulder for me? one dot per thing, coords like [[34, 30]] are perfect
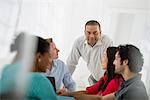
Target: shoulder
[[105, 38], [137, 90], [117, 80], [11, 70], [38, 77], [118, 77], [12, 67], [138, 85], [80, 40], [59, 63]]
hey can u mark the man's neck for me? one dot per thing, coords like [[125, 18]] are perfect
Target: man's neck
[[128, 75]]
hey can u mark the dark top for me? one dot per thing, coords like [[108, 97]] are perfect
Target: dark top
[[132, 89]]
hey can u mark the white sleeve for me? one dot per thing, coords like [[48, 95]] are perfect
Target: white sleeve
[[108, 43], [73, 58]]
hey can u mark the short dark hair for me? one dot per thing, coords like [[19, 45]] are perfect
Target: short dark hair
[[133, 55], [42, 45], [93, 22]]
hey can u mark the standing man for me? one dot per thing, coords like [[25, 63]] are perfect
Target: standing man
[[90, 47], [59, 70]]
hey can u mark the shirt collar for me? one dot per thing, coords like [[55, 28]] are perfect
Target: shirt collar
[[128, 82], [54, 64]]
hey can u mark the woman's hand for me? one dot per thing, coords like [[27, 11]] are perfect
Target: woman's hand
[[60, 92]]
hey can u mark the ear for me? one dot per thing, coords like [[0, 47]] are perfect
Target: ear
[[125, 62], [38, 57]]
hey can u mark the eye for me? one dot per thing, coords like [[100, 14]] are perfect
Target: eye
[[88, 33], [95, 33]]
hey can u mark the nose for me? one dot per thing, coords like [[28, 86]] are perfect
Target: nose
[[57, 50], [91, 35]]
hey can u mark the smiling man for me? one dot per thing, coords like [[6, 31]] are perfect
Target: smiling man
[[90, 47]]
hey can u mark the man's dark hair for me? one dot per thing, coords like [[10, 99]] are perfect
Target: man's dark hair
[[93, 22], [133, 55]]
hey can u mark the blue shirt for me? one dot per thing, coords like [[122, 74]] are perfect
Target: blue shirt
[[62, 75]]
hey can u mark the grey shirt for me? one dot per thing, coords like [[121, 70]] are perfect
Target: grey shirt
[[132, 89]]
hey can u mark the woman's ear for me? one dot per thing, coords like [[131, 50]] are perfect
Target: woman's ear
[[38, 57]]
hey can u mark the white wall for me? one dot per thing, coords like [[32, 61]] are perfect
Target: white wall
[[125, 21]]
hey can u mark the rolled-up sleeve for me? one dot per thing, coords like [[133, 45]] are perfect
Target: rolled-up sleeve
[[73, 57]]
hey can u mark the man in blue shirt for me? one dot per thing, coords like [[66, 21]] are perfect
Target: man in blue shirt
[[59, 70]]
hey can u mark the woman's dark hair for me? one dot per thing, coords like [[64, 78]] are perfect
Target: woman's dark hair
[[42, 45], [110, 73]]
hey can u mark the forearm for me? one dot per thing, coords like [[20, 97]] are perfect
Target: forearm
[[72, 93], [94, 97], [71, 67], [109, 97], [87, 97]]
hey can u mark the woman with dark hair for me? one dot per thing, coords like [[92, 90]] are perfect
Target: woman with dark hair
[[111, 81]]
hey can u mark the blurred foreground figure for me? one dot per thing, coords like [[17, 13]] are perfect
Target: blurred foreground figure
[[35, 85]]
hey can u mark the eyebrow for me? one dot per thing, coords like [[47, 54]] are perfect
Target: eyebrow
[[94, 31]]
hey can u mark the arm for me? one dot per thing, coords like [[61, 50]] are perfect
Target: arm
[[64, 93], [109, 97], [40, 87], [94, 88], [107, 42], [112, 86], [94, 97], [68, 80], [87, 97], [73, 58]]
